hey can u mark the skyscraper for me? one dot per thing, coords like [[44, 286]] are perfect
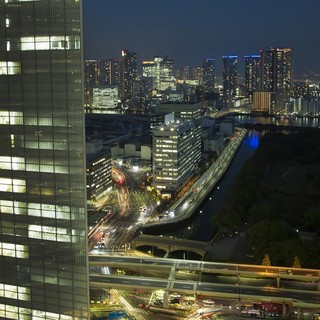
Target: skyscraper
[[252, 73], [129, 73], [208, 75], [276, 75], [110, 72], [43, 237], [229, 75], [160, 71]]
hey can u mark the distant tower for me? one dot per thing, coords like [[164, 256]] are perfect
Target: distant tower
[[110, 72], [128, 73], [229, 75], [186, 73], [252, 73], [160, 73], [91, 73], [276, 75], [208, 75]]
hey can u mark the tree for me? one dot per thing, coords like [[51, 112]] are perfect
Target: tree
[[296, 262], [266, 260]]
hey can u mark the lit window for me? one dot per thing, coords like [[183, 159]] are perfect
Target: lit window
[[10, 67], [12, 185]]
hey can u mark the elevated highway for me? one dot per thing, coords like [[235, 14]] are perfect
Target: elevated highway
[[298, 288]]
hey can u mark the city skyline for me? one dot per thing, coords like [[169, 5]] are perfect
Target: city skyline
[[213, 30]]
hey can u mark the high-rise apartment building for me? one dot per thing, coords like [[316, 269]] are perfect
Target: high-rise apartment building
[[229, 81], [110, 71], [91, 73], [128, 73], [252, 72], [43, 241], [276, 75], [208, 75]]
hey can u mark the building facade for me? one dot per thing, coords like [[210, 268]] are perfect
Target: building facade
[[99, 180], [276, 75], [173, 157], [185, 112], [161, 72], [43, 237], [128, 73], [208, 75], [252, 73], [229, 79]]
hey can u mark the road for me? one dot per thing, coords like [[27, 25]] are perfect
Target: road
[[300, 286]]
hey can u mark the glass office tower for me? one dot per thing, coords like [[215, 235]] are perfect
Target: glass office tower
[[43, 236]]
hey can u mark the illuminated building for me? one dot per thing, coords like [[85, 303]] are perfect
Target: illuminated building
[[43, 245], [173, 156], [99, 180], [161, 73], [229, 81], [110, 72], [261, 101], [184, 112], [208, 75], [105, 98], [276, 75], [91, 73], [252, 73], [128, 73], [91, 80]]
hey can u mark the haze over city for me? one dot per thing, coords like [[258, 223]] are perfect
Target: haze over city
[[190, 31]]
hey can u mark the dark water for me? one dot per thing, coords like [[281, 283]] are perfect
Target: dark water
[[283, 121], [201, 227]]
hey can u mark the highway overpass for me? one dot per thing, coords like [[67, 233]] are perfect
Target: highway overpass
[[294, 287]]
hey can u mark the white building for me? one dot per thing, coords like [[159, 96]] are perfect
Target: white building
[[174, 150], [104, 99]]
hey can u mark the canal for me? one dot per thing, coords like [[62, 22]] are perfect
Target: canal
[[201, 229]]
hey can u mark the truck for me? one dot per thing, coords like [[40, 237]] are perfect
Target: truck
[[273, 308]]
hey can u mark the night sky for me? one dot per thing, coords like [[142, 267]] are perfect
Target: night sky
[[191, 30]]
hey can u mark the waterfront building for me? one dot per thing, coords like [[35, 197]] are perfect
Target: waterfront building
[[173, 157], [229, 82], [213, 143], [227, 127], [261, 101], [43, 246], [276, 76], [128, 73], [252, 73], [208, 75]]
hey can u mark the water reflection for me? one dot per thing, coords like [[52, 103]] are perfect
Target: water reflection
[[279, 121], [252, 140]]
